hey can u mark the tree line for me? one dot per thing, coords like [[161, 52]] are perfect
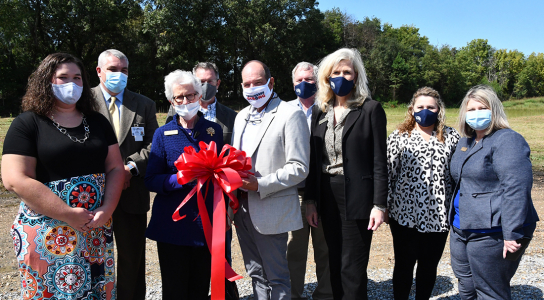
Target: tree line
[[159, 36]]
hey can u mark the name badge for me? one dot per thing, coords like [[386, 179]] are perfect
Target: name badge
[[171, 132], [138, 133]]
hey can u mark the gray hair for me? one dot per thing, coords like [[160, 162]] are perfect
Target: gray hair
[[180, 77], [487, 96], [104, 55], [305, 66], [207, 66], [325, 95]]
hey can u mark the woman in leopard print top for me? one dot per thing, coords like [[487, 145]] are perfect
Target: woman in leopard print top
[[420, 187]]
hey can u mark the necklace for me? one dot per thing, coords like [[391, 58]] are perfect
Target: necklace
[[74, 139]]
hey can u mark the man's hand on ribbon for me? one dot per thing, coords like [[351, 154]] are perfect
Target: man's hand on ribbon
[[250, 183]]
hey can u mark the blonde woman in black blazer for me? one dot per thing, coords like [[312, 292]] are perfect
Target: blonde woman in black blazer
[[347, 183]]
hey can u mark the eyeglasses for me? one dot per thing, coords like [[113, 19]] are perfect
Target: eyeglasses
[[189, 97]]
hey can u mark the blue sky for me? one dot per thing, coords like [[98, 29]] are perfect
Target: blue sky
[[505, 24]]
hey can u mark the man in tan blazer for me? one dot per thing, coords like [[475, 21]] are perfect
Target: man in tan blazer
[[133, 118], [276, 137]]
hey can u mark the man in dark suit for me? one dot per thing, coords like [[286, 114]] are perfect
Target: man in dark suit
[[134, 121], [213, 111]]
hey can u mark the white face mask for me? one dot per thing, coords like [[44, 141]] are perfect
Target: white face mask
[[187, 111], [68, 93], [257, 96]]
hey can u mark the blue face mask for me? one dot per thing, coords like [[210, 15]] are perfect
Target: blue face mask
[[425, 117], [478, 119], [116, 82], [341, 86], [305, 90]]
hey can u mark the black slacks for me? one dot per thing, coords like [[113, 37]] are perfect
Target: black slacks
[[185, 271], [410, 246], [348, 241], [129, 233]]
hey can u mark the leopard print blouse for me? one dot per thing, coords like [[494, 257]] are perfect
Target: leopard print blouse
[[420, 184]]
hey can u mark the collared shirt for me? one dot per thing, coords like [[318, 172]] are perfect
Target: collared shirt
[[332, 148], [254, 120], [118, 97], [210, 112], [118, 103], [308, 113]]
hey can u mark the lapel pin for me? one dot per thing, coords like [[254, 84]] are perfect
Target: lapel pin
[[463, 149], [210, 131]]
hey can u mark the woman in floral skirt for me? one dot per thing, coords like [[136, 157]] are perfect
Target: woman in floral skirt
[[62, 159]]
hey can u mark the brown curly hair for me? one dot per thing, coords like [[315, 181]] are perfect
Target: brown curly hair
[[39, 96], [409, 122]]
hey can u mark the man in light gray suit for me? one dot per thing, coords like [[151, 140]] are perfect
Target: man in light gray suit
[[304, 84], [276, 137], [133, 117]]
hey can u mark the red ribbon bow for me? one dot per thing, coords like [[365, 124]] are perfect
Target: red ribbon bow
[[225, 172]]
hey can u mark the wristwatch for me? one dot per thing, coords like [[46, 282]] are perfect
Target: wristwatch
[[381, 208], [132, 169]]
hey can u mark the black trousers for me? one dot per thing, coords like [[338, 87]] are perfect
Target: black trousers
[[129, 233], [348, 242], [185, 271], [410, 246]]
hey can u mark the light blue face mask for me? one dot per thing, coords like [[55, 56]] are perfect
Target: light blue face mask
[[116, 82], [478, 119]]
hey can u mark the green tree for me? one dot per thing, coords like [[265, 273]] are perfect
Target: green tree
[[508, 64], [33, 29], [476, 60], [530, 81]]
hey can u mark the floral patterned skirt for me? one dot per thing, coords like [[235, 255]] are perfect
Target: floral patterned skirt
[[57, 261]]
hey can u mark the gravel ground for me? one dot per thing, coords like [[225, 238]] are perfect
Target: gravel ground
[[528, 283]]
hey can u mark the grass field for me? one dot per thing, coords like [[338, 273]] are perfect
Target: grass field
[[526, 116]]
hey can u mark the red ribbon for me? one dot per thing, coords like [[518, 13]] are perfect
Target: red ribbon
[[225, 171]]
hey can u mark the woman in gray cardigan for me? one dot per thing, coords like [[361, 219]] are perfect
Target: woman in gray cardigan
[[492, 215]]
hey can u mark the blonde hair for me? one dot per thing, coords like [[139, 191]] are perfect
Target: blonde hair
[[409, 122], [325, 95], [487, 96]]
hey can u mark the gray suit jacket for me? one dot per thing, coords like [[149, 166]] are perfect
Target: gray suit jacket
[[280, 159], [136, 110], [495, 180], [224, 116]]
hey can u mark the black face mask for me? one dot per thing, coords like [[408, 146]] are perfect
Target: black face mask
[[208, 91]]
